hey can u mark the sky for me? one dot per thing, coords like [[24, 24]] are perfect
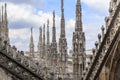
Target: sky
[[24, 14]]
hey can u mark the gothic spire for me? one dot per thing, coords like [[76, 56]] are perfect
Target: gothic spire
[[2, 13], [62, 20], [40, 36], [62, 46], [54, 44], [48, 46], [78, 24], [78, 45], [31, 35], [40, 42], [54, 29], [0, 16], [62, 8], [48, 40], [44, 45], [5, 14], [43, 33], [31, 44]]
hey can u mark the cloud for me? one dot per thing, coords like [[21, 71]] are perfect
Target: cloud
[[21, 20], [21, 33], [19, 38], [25, 16], [30, 2], [97, 4], [70, 26], [22, 15]]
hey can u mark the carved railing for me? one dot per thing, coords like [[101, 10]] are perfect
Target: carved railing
[[21, 67], [16, 68], [111, 38]]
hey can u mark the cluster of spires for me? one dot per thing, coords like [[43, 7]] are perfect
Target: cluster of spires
[[78, 43], [49, 52], [4, 24], [54, 57]]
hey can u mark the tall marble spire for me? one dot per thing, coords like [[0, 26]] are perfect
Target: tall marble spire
[[6, 24], [54, 44], [62, 46], [0, 16], [48, 39], [5, 13], [48, 45], [54, 29], [40, 43], [78, 24], [2, 13], [62, 20], [44, 45], [79, 56], [31, 46], [0, 24], [2, 32]]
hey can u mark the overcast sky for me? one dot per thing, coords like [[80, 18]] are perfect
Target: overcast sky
[[23, 14]]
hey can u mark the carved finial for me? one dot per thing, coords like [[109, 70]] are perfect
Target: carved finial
[[91, 57], [84, 73], [31, 29], [107, 21], [96, 44], [103, 29], [86, 69], [93, 51], [99, 38], [88, 63]]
